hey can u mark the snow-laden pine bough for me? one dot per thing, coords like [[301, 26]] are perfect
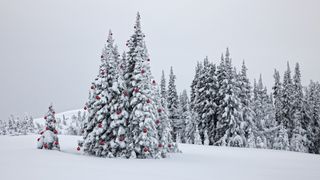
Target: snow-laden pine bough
[[49, 138]]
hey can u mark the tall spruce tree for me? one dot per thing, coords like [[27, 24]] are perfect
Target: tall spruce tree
[[287, 101], [246, 103], [173, 104], [143, 135], [229, 118]]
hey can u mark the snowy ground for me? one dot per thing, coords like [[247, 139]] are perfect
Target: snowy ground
[[19, 159]]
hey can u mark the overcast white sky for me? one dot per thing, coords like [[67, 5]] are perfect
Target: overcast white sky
[[49, 51]]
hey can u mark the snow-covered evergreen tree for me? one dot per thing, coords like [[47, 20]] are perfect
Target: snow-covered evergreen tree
[[173, 104], [277, 96], [228, 131], [281, 141], [299, 140], [105, 126], [287, 101], [313, 113], [49, 138], [246, 104], [143, 135]]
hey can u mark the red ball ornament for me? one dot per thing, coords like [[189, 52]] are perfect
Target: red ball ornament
[[47, 128], [136, 90], [85, 108], [169, 145], [145, 149], [45, 146], [160, 145], [78, 148], [159, 110], [157, 121], [38, 139], [145, 130], [92, 87], [102, 142], [148, 101], [98, 97], [102, 73], [45, 117], [56, 143], [125, 93], [154, 82], [148, 59], [100, 125], [119, 112], [121, 138], [142, 71], [126, 44], [55, 132], [41, 132]]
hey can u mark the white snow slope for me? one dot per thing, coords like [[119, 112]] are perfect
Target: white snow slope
[[19, 159]]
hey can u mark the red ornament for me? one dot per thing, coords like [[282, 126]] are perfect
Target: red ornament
[[148, 59], [47, 128], [85, 108], [78, 148], [159, 110], [41, 132], [126, 44], [45, 117], [56, 143], [45, 146], [157, 121], [121, 138], [125, 93], [145, 149], [160, 145], [169, 145], [102, 73], [92, 87], [38, 139], [98, 97], [119, 112], [100, 125], [153, 82], [142, 71], [136, 90], [148, 100], [55, 132], [102, 142], [145, 130]]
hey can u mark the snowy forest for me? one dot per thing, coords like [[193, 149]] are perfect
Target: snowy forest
[[130, 114]]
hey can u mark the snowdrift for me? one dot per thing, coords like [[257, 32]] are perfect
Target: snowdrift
[[20, 159]]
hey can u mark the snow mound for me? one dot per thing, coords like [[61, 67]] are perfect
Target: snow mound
[[20, 159]]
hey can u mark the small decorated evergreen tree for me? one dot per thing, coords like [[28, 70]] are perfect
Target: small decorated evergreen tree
[[49, 138]]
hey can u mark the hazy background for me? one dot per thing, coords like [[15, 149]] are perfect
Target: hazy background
[[49, 50]]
